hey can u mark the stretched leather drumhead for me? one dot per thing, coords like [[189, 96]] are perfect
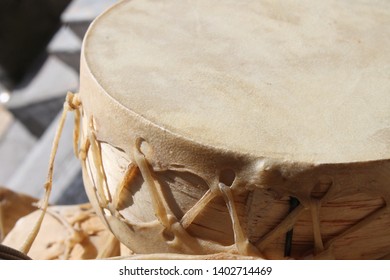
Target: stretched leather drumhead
[[305, 81]]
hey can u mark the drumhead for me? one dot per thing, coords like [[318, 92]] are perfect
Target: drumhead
[[303, 81]]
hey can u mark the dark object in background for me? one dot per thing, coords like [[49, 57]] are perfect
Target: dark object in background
[[8, 253], [26, 27], [75, 193], [38, 116]]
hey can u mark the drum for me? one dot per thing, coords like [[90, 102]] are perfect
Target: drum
[[69, 232], [13, 206], [256, 128]]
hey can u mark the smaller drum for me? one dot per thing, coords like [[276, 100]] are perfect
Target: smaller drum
[[258, 128], [67, 232], [13, 206]]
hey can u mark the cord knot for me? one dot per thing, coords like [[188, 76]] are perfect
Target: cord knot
[[72, 101]]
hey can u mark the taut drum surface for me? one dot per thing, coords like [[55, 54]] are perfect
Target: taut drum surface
[[257, 128]]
